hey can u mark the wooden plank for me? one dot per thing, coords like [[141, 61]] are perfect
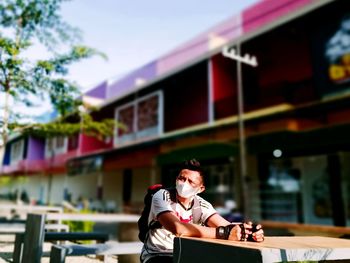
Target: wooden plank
[[20, 228], [110, 218], [59, 252], [306, 227], [11, 228], [30, 208], [273, 249], [18, 248], [33, 239], [72, 236], [116, 248], [121, 248], [57, 227]]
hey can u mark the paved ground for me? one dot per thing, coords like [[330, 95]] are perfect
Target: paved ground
[[113, 229], [6, 248]]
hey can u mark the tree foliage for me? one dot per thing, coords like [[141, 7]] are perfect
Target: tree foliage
[[86, 124], [24, 23]]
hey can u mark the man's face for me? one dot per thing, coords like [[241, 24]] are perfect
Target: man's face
[[192, 177]]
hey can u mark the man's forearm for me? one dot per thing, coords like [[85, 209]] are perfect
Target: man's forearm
[[192, 230]]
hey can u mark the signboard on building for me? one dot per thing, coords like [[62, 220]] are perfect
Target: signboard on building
[[337, 52], [84, 166], [331, 54]]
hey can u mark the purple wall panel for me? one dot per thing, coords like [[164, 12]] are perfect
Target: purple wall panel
[[99, 91], [267, 11], [126, 84], [36, 149]]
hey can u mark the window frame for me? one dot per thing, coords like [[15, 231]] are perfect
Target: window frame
[[137, 134]]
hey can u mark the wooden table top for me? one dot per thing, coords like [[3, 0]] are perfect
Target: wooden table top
[[287, 242], [277, 249]]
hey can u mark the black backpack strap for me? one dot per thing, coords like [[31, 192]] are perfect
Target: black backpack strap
[[156, 224], [143, 225], [172, 192]]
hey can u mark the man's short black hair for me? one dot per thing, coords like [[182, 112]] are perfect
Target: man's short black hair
[[193, 165]]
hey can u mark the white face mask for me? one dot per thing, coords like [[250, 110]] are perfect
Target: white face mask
[[185, 190]]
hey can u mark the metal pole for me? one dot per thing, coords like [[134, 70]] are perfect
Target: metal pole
[[242, 149], [252, 61]]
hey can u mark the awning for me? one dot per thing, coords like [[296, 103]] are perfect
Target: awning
[[331, 138], [200, 152]]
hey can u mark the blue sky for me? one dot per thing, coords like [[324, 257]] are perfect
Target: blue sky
[[132, 33]]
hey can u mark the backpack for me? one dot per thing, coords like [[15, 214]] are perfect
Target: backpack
[[143, 225]]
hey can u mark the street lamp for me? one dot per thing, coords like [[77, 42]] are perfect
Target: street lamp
[[249, 60]]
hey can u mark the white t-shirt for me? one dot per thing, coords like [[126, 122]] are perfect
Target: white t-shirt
[[161, 241]]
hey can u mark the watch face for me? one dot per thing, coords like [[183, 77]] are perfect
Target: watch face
[[222, 231]]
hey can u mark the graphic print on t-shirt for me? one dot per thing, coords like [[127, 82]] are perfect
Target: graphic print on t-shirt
[[184, 220]]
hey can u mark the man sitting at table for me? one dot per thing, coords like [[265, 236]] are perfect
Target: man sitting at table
[[176, 215]]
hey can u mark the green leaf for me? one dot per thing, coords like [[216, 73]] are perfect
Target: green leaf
[[28, 22]]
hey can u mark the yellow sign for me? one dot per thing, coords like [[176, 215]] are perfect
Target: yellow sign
[[340, 72]]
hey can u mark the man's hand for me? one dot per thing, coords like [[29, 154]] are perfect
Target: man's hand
[[247, 231], [258, 235], [257, 232], [240, 232]]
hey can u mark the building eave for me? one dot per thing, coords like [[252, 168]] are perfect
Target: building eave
[[210, 53]]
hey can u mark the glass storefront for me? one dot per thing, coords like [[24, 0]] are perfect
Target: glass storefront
[[297, 190], [345, 183], [219, 183]]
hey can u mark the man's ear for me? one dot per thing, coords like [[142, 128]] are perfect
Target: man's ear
[[201, 189]]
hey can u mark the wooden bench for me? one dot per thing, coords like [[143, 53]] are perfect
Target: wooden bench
[[9, 210], [59, 252], [17, 228], [28, 248], [121, 248], [28, 245], [76, 236]]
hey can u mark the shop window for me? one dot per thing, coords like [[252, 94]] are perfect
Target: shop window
[[345, 182], [218, 183], [297, 190], [55, 146], [280, 192], [60, 142], [126, 116], [316, 191], [141, 118], [17, 149], [73, 142], [147, 116], [49, 145]]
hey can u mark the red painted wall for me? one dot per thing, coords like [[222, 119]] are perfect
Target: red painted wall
[[90, 144], [224, 86], [284, 73], [186, 98]]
